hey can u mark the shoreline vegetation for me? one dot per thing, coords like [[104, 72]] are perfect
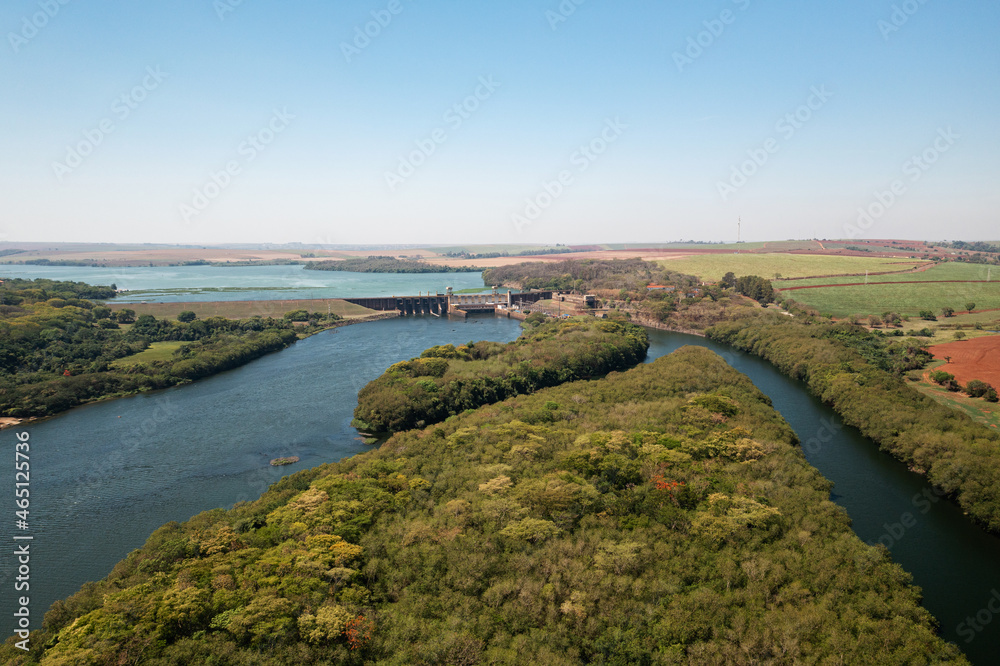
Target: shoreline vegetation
[[447, 380], [861, 375], [59, 349], [664, 514], [385, 264]]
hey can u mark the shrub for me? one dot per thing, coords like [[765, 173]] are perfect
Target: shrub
[[941, 377], [977, 388], [297, 315]]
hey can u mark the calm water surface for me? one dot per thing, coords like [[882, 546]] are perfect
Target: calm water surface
[[246, 283]]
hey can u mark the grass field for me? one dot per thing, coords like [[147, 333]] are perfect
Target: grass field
[[244, 309], [714, 266], [947, 271], [987, 413], [158, 351], [907, 299]]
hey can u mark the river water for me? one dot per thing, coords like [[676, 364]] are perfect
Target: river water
[[105, 476]]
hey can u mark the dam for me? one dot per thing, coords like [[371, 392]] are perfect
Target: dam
[[449, 303]]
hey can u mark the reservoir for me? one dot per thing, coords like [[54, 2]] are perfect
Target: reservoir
[[246, 283], [105, 476]]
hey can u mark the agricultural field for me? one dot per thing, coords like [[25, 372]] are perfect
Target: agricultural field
[[244, 309], [903, 298], [947, 271], [971, 359], [714, 266]]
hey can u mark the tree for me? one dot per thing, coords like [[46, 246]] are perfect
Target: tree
[[928, 315], [186, 316], [941, 377], [100, 312], [948, 312], [297, 315], [755, 287], [125, 316], [960, 335], [977, 388], [874, 321], [891, 318], [970, 306], [534, 319], [729, 280]]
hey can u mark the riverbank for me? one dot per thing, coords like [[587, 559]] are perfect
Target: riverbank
[[957, 455]]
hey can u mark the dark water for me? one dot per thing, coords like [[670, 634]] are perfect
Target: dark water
[[101, 484], [955, 563]]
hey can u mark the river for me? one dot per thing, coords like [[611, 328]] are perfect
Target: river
[[105, 476]]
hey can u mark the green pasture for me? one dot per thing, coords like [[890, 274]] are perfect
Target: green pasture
[[907, 299], [947, 271], [987, 413], [157, 351]]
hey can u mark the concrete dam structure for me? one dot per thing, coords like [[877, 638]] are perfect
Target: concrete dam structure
[[452, 304]]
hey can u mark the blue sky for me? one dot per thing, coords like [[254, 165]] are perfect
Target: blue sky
[[225, 121]]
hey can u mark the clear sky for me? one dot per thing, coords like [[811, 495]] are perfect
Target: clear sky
[[581, 121]]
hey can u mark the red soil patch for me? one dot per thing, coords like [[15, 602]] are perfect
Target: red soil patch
[[978, 358]]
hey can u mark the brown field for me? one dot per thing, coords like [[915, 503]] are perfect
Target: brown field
[[978, 358], [244, 309], [643, 253]]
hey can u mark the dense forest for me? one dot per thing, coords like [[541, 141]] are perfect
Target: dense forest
[[379, 264], [590, 275], [662, 515], [859, 373], [447, 380], [58, 348]]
